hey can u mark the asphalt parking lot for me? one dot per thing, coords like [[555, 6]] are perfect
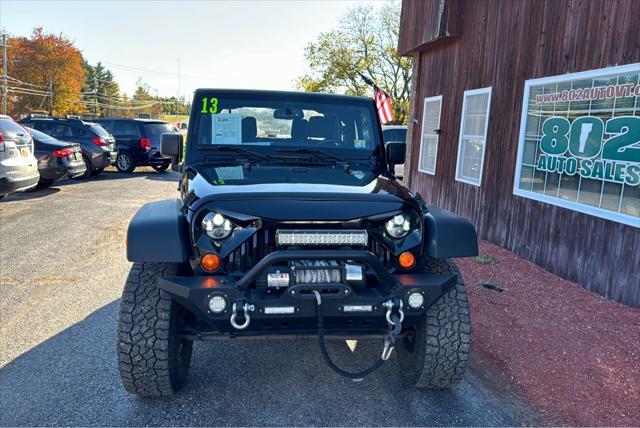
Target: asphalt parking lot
[[62, 267]]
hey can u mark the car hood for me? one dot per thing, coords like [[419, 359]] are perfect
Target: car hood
[[302, 201]]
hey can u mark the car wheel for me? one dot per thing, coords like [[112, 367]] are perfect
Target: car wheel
[[97, 171], [434, 354], [87, 165], [152, 358], [160, 168], [124, 162]]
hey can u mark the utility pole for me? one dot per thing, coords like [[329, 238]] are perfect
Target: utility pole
[[50, 96], [178, 99], [5, 72], [95, 95]]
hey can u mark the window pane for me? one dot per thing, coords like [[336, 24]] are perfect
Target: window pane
[[429, 142], [471, 159], [475, 114], [473, 135]]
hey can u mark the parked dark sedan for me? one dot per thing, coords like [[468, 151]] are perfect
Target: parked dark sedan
[[57, 159]]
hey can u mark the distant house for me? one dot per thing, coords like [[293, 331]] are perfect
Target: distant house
[[525, 118]]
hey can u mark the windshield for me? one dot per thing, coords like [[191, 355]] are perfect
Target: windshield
[[279, 121], [40, 136]]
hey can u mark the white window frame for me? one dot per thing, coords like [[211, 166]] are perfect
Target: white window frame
[[469, 93], [574, 206], [435, 134]]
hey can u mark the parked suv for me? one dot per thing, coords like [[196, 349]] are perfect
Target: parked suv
[[138, 142], [18, 166], [290, 223], [98, 147]]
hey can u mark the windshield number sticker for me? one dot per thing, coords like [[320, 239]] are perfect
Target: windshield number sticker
[[209, 105]]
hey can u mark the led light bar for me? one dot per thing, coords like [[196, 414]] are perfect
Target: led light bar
[[322, 237]]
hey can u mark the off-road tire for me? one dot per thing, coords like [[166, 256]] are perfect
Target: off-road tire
[[152, 359], [435, 354]]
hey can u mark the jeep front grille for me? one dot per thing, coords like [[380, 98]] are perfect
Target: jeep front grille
[[264, 242]]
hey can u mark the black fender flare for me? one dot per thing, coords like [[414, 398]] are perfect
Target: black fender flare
[[159, 232], [449, 235]]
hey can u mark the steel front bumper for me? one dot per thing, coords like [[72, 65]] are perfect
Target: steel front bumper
[[347, 310]]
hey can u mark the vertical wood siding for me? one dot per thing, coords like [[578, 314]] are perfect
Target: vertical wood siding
[[502, 44]]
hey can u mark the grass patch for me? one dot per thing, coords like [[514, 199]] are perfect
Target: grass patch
[[485, 260]]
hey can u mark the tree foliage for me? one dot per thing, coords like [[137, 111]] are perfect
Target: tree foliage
[[365, 41], [48, 61], [101, 89]]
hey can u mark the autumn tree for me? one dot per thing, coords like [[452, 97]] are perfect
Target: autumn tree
[[42, 62], [365, 41], [142, 97]]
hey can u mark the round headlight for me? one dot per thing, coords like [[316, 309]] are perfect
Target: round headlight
[[217, 226], [398, 227]]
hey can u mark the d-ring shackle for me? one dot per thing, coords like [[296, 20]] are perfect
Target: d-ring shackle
[[247, 319]]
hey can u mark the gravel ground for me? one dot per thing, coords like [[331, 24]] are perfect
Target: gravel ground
[[62, 267], [573, 354]]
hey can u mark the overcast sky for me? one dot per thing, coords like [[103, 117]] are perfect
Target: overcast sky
[[231, 44]]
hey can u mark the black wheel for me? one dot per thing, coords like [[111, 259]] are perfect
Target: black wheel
[[97, 171], [160, 168], [152, 359], [88, 166], [124, 162], [435, 353]]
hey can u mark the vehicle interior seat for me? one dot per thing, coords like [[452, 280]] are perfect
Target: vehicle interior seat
[[249, 129], [322, 128], [299, 130]]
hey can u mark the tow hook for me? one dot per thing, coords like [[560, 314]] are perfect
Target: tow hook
[[247, 319], [395, 326]]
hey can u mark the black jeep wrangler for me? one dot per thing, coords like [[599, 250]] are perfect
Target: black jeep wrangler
[[290, 223]]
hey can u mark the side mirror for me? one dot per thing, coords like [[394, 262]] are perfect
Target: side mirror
[[396, 152], [171, 147]]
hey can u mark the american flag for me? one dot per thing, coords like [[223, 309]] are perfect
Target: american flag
[[383, 104]]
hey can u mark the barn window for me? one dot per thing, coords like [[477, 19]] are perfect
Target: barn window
[[473, 135], [430, 130]]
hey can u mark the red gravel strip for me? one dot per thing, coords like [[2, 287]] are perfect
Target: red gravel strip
[[574, 355]]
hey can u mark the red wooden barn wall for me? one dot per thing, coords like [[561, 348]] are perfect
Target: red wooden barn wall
[[502, 43]]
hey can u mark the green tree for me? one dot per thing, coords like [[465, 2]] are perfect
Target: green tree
[[142, 98], [100, 85], [365, 41]]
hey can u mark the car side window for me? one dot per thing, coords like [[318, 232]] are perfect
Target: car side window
[[43, 127], [125, 129], [77, 132], [108, 126]]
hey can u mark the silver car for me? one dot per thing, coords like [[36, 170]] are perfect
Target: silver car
[[18, 165]]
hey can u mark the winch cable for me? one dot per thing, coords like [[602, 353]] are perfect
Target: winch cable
[[389, 343]]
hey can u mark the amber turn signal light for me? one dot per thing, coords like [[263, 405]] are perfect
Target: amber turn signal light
[[210, 262], [407, 260]]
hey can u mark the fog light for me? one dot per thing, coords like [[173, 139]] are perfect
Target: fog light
[[407, 260], [210, 262], [217, 304], [415, 300]]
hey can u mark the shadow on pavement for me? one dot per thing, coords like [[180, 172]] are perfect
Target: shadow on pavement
[[33, 194], [72, 379]]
